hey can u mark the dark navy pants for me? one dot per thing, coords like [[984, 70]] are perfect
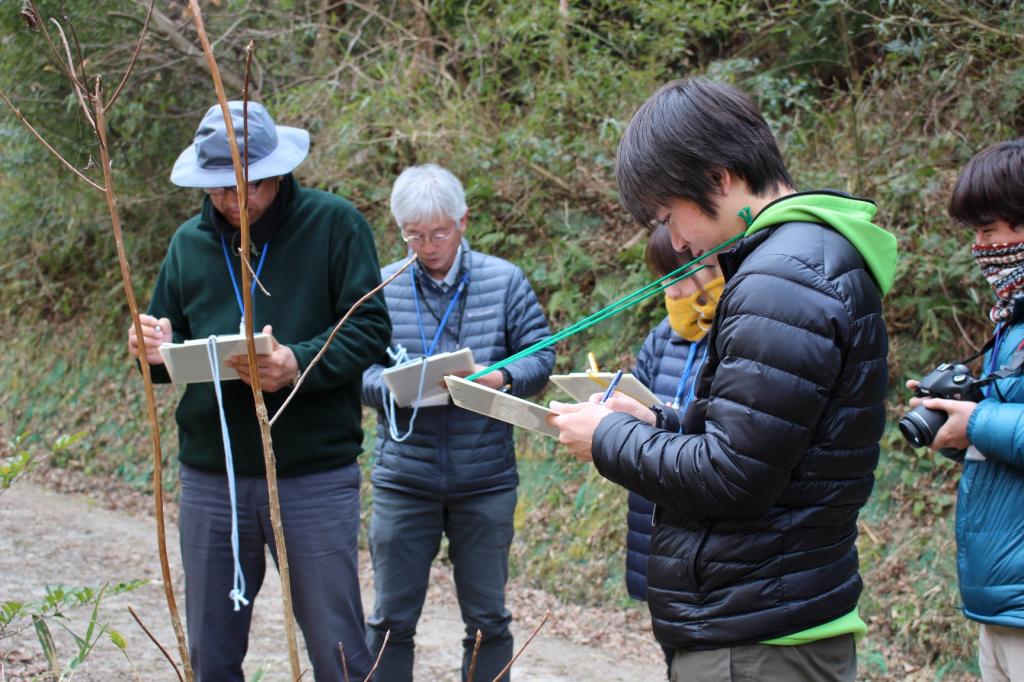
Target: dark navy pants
[[405, 536], [321, 524]]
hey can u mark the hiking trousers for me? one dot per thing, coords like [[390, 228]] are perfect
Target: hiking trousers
[[320, 514], [405, 536]]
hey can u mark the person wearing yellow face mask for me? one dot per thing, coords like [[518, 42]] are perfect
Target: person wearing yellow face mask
[[690, 314], [668, 363]]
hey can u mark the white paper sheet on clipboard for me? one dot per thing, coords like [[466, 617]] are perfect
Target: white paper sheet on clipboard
[[501, 406], [404, 380], [582, 385], [189, 362]]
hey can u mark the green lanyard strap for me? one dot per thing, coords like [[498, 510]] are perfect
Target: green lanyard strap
[[627, 301]]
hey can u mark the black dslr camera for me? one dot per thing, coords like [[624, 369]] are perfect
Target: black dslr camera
[[950, 380]]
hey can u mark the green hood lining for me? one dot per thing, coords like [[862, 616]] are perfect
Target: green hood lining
[[848, 215]]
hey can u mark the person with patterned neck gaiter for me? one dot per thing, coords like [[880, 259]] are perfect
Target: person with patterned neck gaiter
[[989, 199]]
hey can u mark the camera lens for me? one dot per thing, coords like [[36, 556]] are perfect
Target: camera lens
[[920, 425]]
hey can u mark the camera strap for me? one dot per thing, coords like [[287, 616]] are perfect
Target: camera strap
[[984, 349], [1014, 367]]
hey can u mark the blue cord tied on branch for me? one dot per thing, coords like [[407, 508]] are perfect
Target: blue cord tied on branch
[[627, 301]]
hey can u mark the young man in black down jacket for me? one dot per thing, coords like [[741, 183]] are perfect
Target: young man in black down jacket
[[753, 573]]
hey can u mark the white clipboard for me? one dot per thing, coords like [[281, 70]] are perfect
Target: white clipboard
[[501, 406], [404, 380], [582, 385], [189, 362]]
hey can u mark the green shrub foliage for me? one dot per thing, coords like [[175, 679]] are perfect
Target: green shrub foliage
[[525, 102]]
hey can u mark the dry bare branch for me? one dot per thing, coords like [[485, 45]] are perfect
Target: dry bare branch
[[163, 26], [344, 663], [74, 85], [508, 666], [355, 306], [135, 55], [71, 75], [78, 51], [270, 462], [152, 638], [380, 654], [476, 652], [147, 378], [21, 117]]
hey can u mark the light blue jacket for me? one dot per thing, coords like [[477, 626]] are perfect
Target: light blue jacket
[[990, 503]]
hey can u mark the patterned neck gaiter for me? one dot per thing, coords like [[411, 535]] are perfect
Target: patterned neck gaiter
[[1003, 267]]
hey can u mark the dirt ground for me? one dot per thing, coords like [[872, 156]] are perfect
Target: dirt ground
[[50, 538]]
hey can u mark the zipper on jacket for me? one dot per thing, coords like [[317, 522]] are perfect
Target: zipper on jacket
[[696, 557]]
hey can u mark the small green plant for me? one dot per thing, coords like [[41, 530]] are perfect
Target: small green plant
[[15, 464], [16, 616]]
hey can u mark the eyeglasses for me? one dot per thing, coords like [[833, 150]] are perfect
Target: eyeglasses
[[435, 237], [655, 223], [219, 191]]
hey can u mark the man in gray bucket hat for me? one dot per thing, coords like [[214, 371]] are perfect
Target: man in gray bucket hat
[[314, 255]]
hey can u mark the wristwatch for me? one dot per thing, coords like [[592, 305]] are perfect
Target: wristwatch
[[506, 380]]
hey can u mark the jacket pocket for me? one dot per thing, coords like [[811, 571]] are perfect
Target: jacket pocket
[[695, 565]]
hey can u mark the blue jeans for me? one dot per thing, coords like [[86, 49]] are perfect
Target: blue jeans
[[405, 535], [320, 513]]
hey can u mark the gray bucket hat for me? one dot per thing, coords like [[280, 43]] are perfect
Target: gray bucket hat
[[273, 149]]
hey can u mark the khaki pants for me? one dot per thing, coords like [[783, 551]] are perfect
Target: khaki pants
[[827, 660], [1001, 653]]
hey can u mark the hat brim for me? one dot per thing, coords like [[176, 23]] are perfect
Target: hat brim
[[292, 149]]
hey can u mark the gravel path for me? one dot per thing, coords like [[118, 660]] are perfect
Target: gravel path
[[49, 538]]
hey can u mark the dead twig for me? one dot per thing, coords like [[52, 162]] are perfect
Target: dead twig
[[164, 27], [508, 666], [147, 378], [269, 460], [135, 55], [476, 652], [97, 120], [355, 306], [74, 85], [380, 654], [344, 663], [153, 639], [248, 264], [550, 176], [70, 167]]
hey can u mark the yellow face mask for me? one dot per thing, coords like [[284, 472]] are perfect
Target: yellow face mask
[[690, 317]]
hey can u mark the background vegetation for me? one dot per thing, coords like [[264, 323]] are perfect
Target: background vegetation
[[526, 103]]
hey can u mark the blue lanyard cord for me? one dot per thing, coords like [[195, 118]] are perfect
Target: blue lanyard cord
[[400, 356], [444, 318], [693, 387], [237, 593], [231, 271], [686, 375]]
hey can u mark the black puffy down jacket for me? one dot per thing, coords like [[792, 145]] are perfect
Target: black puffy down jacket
[[756, 516]]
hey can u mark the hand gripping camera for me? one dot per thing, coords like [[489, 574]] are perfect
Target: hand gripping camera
[[950, 380]]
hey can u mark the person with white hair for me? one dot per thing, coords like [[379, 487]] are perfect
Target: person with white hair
[[448, 471], [315, 253]]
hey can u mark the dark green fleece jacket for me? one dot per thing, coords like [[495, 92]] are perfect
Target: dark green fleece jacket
[[320, 260]]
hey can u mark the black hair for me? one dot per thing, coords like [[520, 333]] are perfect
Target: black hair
[[684, 137], [991, 187], [662, 258]]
